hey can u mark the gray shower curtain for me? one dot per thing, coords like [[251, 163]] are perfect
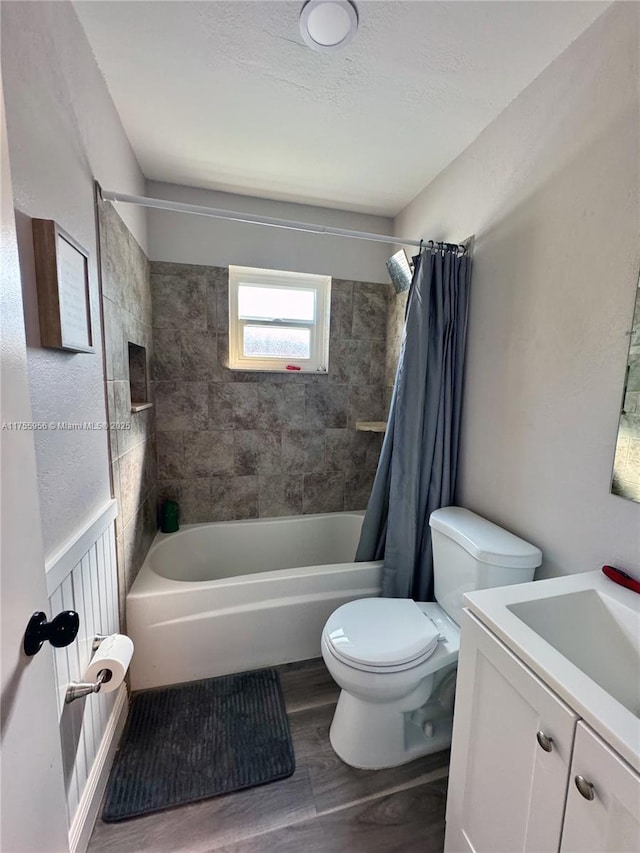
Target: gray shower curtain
[[418, 461]]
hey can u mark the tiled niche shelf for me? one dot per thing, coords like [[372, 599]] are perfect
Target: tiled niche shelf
[[138, 378], [371, 426]]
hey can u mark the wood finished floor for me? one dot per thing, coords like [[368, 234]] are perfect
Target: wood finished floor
[[325, 807]]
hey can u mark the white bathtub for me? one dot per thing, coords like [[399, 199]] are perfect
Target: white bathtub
[[232, 596]]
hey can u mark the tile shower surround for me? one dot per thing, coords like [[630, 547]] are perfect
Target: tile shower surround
[[235, 445], [126, 303]]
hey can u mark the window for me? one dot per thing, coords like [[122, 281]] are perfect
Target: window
[[278, 321]]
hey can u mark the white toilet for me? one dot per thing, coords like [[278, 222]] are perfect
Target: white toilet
[[395, 659]]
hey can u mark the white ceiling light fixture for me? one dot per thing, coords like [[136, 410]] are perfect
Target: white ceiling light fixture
[[327, 25]]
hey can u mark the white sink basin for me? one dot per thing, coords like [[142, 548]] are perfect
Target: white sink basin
[[596, 633], [581, 635]]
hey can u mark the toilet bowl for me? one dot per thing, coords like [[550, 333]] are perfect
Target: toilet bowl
[[373, 726], [395, 659]]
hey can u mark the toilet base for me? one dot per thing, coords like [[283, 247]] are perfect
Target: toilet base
[[373, 736]]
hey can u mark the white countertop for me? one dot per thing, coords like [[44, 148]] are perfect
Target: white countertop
[[617, 724]]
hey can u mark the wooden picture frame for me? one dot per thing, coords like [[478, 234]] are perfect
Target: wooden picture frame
[[62, 279]]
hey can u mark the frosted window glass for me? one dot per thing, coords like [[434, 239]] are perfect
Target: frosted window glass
[[275, 303], [264, 341]]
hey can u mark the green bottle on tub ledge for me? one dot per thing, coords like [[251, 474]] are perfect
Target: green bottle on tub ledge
[[169, 517]]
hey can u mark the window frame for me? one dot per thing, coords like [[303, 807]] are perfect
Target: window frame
[[319, 327]]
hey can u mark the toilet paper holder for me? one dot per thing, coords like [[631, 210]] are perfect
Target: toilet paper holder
[[76, 690], [99, 638]]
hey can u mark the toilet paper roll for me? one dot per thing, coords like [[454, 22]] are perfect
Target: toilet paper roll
[[113, 654]]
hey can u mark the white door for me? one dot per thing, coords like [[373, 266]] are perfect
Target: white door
[[33, 804], [607, 819], [506, 791]]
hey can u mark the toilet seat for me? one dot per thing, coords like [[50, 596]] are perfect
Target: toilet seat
[[371, 669], [381, 634]]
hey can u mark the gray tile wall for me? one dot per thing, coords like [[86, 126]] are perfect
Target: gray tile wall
[[126, 301], [395, 326], [235, 445]]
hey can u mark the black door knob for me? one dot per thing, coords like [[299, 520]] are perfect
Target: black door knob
[[60, 632]]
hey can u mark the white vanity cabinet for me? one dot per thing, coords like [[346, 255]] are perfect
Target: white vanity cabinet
[[603, 799], [510, 756], [517, 748]]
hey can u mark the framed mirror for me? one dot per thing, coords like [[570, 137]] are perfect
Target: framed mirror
[[625, 481]]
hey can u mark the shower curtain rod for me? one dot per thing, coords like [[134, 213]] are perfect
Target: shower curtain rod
[[181, 207]]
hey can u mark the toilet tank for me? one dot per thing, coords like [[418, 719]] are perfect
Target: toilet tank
[[472, 553]]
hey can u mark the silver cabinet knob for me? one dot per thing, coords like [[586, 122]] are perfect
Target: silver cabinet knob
[[586, 788], [545, 741]]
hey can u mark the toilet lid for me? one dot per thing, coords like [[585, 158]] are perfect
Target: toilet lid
[[381, 631]]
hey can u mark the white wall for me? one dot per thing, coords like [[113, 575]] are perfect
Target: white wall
[[551, 190], [63, 132], [182, 238]]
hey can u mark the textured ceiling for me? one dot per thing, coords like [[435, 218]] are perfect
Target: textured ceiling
[[225, 95]]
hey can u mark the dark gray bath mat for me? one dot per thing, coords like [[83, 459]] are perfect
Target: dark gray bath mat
[[198, 740]]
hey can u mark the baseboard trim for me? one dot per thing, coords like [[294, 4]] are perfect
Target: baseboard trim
[[87, 811]]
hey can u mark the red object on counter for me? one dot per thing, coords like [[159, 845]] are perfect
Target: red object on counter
[[622, 578], [292, 367]]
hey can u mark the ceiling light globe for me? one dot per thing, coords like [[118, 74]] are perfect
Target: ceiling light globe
[[327, 25]]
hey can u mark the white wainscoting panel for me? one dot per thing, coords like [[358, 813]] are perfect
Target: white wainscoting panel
[[87, 582]]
